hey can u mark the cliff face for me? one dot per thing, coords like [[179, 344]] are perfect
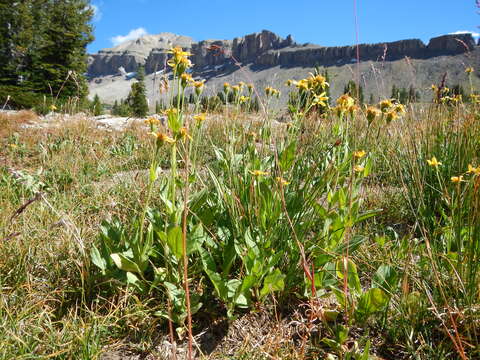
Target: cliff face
[[265, 49], [133, 53]]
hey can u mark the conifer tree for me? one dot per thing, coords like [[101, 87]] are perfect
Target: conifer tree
[[96, 106], [43, 47], [137, 99], [60, 61]]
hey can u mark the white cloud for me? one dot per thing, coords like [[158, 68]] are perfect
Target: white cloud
[[474, 34], [97, 13], [132, 35]]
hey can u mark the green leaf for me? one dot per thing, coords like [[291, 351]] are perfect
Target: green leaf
[[370, 302], [273, 282], [174, 240], [366, 351], [385, 278], [352, 275], [98, 260], [125, 264], [287, 156]]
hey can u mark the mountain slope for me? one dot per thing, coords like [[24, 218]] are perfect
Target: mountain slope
[[268, 60]]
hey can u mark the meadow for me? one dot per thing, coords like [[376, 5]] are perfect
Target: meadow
[[344, 231]]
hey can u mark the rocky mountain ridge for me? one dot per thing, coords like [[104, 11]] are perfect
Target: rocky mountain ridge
[[264, 49]]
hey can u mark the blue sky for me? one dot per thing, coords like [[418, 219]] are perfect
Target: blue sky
[[323, 22]]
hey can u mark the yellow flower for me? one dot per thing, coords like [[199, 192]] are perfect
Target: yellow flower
[[345, 102], [317, 82], [290, 82], [359, 154], [475, 98], [199, 86], [270, 91], [302, 84], [179, 61], [152, 120], [358, 168], [163, 138], [241, 84], [252, 134], [258, 173], [385, 105], [469, 70], [53, 108], [171, 112], [434, 162], [372, 113], [434, 88], [226, 86], [13, 146], [320, 99], [250, 88], [236, 89], [199, 118], [391, 115], [456, 179], [184, 133], [243, 99], [399, 109], [473, 170], [282, 181], [186, 79]]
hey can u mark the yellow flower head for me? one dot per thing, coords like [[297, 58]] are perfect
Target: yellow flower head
[[456, 179], [317, 82], [399, 109], [282, 181], [434, 162], [302, 85], [475, 98], [258, 173], [321, 99], [250, 88], [270, 91], [469, 70], [184, 133], [186, 79], [199, 86], [199, 118], [345, 102], [434, 88], [241, 84], [179, 61], [473, 170], [290, 82], [372, 113], [390, 116], [236, 89], [152, 120], [171, 112], [53, 108], [243, 99], [226, 86], [358, 168], [163, 138], [385, 105], [359, 154]]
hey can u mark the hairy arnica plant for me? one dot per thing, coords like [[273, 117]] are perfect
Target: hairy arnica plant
[[345, 231]]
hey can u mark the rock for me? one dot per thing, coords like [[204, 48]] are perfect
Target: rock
[[264, 49], [131, 54], [451, 44]]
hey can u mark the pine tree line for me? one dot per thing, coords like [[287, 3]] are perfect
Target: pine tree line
[[43, 47]]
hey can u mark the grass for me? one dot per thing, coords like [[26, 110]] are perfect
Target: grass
[[277, 240]]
